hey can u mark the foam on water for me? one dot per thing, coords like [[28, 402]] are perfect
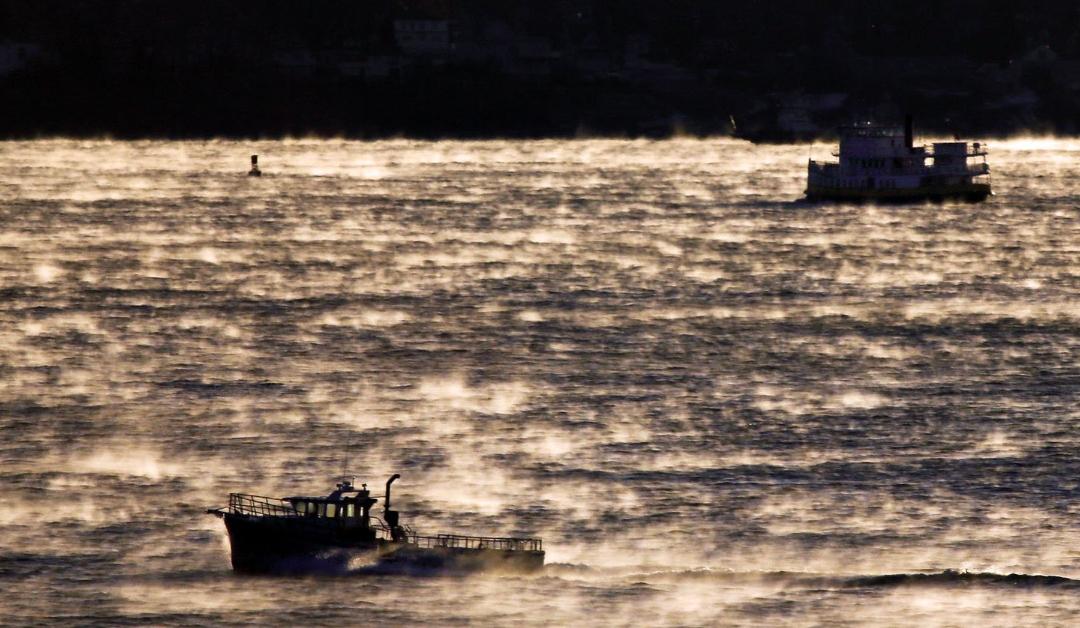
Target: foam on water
[[715, 403]]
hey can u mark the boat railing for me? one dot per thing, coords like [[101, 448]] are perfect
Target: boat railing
[[504, 543], [834, 170], [819, 169], [973, 149], [254, 505], [461, 540]]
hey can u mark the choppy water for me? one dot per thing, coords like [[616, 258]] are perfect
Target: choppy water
[[717, 406]]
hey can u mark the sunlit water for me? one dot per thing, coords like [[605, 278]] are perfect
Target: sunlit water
[[715, 404]]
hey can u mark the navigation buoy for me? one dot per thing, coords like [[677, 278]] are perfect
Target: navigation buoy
[[254, 172]]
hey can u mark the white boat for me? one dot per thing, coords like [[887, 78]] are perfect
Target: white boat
[[881, 163]]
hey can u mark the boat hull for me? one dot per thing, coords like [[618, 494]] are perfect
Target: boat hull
[[271, 545], [974, 193], [283, 545], [408, 557]]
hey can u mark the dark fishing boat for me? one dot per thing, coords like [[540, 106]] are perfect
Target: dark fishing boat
[[297, 534]]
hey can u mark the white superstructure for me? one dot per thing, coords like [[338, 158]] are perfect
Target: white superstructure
[[881, 163]]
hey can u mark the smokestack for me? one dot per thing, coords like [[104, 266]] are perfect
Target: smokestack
[[386, 503], [909, 139]]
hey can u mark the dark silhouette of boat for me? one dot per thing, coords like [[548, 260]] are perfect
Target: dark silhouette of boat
[[303, 534]]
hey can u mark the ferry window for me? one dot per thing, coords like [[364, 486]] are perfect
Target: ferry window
[[350, 510], [322, 510], [312, 508], [331, 510]]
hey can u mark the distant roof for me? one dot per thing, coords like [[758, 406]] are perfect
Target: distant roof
[[870, 129], [422, 9]]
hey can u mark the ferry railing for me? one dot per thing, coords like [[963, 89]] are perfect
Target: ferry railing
[[973, 149], [818, 169], [464, 541], [254, 505], [503, 543]]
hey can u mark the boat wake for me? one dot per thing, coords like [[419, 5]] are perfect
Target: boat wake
[[946, 578], [963, 578]]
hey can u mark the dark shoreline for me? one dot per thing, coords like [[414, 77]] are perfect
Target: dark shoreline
[[477, 69], [461, 104], [109, 137], [474, 68]]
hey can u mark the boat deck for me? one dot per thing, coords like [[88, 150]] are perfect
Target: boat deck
[[258, 506]]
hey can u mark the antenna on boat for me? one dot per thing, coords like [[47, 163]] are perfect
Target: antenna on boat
[[346, 479]]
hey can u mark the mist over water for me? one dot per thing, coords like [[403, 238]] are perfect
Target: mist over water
[[716, 404]]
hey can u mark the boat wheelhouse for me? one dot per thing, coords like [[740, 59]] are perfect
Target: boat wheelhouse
[[881, 163], [291, 534]]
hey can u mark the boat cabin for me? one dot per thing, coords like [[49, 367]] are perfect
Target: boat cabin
[[882, 162], [338, 504]]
